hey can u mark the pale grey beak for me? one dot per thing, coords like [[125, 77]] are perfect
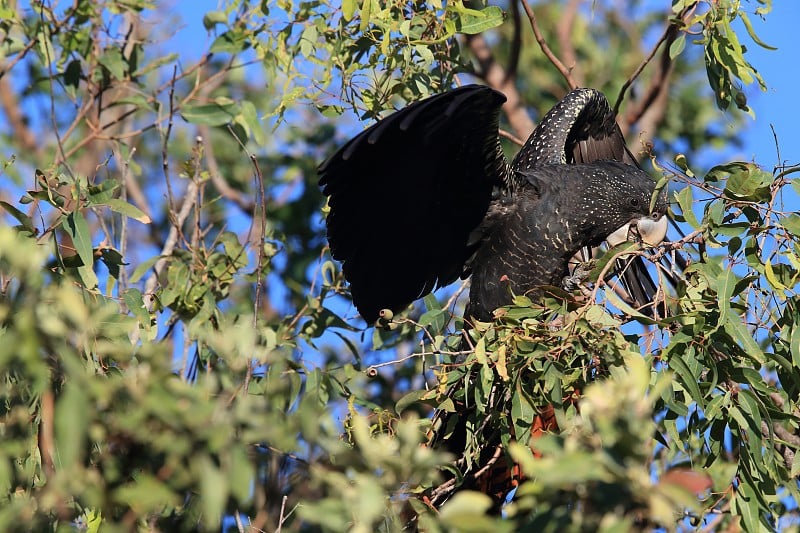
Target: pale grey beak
[[651, 232]]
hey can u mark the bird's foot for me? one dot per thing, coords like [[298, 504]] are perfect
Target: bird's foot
[[579, 275]]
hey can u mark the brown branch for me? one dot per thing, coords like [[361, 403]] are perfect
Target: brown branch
[[20, 130], [668, 36], [564, 29], [260, 218], [546, 49], [516, 44], [495, 76], [226, 191], [786, 452], [510, 136], [20, 55], [189, 199], [150, 100], [46, 435], [654, 98]]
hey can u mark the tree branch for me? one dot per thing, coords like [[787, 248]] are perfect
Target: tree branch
[[546, 49], [656, 92], [16, 119], [564, 32], [495, 76], [229, 193], [516, 44]]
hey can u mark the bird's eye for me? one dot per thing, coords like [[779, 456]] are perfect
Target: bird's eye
[[633, 201]]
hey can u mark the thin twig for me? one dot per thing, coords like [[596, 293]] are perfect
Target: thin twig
[[238, 518], [229, 193], [546, 49], [510, 136], [50, 77], [282, 518], [259, 217], [657, 85], [564, 30], [516, 45], [172, 239], [165, 144], [496, 77], [641, 67]]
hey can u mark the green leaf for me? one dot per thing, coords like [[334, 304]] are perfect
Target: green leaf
[[409, 399], [134, 300], [78, 229], [791, 223], [102, 192], [251, 120], [24, 220], [747, 182], [321, 321], [71, 426], [72, 74], [308, 40], [146, 493], [212, 18], [602, 262], [349, 9], [623, 306], [687, 378], [794, 346], [129, 210], [522, 414], [230, 42], [213, 490], [212, 114], [749, 26], [677, 46], [94, 519], [739, 332], [112, 59], [143, 267], [366, 14], [471, 21], [685, 201], [726, 283], [795, 466], [480, 351], [113, 260], [466, 510], [772, 278], [745, 504]]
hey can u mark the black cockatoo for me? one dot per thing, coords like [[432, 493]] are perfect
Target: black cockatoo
[[426, 196]]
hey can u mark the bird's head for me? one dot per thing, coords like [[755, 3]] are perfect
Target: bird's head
[[617, 199]]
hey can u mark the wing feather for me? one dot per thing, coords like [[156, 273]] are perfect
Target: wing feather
[[407, 192]]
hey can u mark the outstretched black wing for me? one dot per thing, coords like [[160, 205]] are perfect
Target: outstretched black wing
[[406, 193], [581, 128]]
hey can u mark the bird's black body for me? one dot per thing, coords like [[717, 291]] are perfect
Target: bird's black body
[[546, 222], [426, 196]]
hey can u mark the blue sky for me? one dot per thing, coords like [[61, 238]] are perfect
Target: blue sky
[[779, 105]]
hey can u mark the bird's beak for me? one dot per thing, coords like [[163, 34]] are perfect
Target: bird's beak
[[619, 236], [650, 232]]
